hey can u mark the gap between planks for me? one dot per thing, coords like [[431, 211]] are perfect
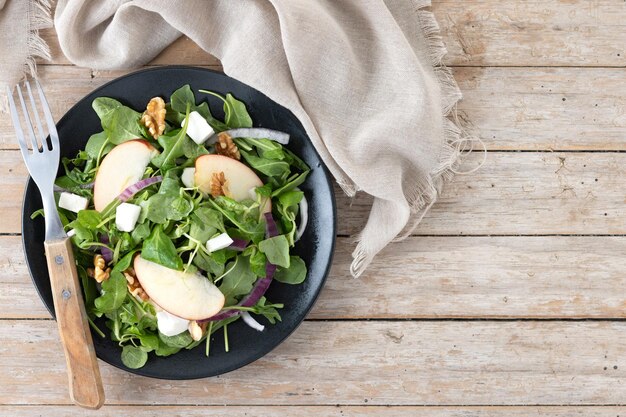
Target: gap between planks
[[54, 410]]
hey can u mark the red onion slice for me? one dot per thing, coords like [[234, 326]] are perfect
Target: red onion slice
[[104, 251], [238, 244], [271, 229], [130, 191], [255, 133], [258, 291]]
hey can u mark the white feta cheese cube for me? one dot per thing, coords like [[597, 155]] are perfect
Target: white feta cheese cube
[[198, 129], [126, 216], [73, 202], [169, 324], [188, 177], [219, 242]]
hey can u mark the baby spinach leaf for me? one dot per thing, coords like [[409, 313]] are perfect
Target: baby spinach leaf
[[134, 357], [121, 124], [295, 274], [125, 262], [290, 198], [98, 145], [277, 250], [113, 293], [238, 280], [205, 222], [179, 341], [164, 350], [105, 105], [140, 232], [160, 249]]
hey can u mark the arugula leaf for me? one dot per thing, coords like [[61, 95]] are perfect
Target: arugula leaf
[[134, 357], [177, 107], [113, 293], [294, 274], [172, 146], [290, 185], [269, 167], [257, 263], [238, 280], [269, 311], [160, 249], [236, 113], [277, 250]]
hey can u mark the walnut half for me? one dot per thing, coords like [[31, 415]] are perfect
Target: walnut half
[[100, 271], [219, 185], [154, 117], [225, 146], [134, 286]]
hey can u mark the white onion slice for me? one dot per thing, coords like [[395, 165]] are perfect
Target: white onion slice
[[254, 133], [247, 318], [304, 218]]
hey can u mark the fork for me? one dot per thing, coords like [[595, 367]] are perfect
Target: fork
[[42, 162]]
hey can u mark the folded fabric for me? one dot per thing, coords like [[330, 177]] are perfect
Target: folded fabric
[[363, 76]]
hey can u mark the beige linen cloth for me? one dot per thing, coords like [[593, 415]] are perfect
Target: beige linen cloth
[[363, 76]]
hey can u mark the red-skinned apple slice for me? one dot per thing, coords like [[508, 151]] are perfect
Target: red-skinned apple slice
[[240, 178], [189, 296], [123, 166]]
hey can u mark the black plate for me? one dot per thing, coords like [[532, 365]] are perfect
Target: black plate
[[315, 247]]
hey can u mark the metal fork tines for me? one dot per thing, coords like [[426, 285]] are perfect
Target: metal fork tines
[[43, 161]]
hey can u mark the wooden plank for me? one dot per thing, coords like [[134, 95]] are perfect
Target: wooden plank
[[380, 363], [512, 194], [313, 411], [450, 277], [486, 32], [533, 33], [545, 108], [509, 108]]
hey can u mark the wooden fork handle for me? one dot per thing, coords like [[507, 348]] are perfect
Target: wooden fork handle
[[82, 367]]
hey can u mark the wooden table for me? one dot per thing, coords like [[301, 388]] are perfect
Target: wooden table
[[509, 300]]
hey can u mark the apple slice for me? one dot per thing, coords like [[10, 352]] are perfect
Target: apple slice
[[189, 296], [240, 178], [123, 166]]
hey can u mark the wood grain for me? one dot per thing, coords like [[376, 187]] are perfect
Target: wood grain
[[82, 366], [450, 277], [533, 33], [358, 363], [315, 411], [509, 108], [491, 33], [513, 194]]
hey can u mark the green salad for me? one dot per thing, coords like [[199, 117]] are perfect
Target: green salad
[[181, 221]]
